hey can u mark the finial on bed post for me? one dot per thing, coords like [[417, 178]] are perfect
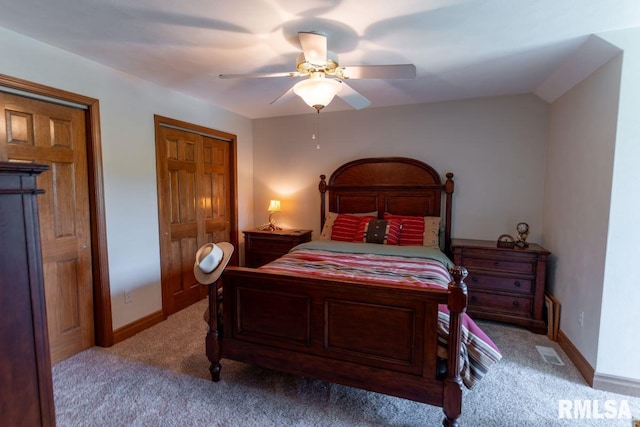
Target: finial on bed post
[[448, 189], [453, 382], [322, 187]]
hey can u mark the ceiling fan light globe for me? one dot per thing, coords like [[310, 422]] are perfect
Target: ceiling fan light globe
[[317, 92]]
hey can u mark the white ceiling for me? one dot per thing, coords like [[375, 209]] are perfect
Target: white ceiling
[[461, 48]]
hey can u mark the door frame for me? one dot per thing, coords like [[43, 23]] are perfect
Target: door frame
[[100, 265]]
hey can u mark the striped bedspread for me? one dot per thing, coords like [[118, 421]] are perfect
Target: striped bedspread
[[407, 265]]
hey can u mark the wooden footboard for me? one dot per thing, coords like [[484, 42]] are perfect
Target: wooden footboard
[[377, 337]]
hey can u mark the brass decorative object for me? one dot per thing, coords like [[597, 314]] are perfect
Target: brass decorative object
[[523, 232]]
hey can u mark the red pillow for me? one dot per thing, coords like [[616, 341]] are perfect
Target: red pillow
[[411, 229], [372, 230], [345, 227]]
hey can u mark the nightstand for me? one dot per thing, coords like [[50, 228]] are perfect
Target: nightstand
[[506, 285], [262, 247]]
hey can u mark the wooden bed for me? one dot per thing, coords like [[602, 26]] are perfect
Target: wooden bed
[[331, 330]]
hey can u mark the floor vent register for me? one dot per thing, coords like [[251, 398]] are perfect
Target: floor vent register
[[549, 355]]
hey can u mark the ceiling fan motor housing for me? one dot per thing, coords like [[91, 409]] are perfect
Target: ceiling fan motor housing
[[329, 67]]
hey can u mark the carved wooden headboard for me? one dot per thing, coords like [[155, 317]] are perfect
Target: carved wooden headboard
[[398, 185]]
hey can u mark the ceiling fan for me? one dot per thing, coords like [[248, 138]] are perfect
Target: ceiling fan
[[325, 78]]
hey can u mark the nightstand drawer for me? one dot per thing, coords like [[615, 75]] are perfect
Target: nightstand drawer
[[499, 264], [262, 247], [500, 303], [256, 259], [271, 246], [506, 284]]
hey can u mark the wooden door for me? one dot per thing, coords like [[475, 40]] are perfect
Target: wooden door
[[55, 135], [194, 172]]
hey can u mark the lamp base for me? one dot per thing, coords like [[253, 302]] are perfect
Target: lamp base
[[269, 227]]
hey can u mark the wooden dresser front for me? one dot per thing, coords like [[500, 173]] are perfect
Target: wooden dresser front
[[262, 246], [26, 387], [506, 285]]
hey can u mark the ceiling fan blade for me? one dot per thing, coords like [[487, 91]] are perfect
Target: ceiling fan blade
[[353, 98], [314, 47], [286, 96], [397, 71], [259, 75]]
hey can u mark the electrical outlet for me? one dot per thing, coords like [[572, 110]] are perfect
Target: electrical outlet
[[581, 318], [127, 297]]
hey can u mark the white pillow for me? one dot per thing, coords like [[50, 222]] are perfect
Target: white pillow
[[431, 231], [329, 219]]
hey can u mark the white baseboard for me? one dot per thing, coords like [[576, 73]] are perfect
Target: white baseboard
[[615, 384]]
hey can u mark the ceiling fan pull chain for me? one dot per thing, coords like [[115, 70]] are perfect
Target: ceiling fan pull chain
[[316, 130]]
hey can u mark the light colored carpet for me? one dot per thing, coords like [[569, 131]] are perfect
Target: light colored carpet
[[160, 377]]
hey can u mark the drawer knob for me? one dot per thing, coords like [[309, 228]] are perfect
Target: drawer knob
[[516, 304], [517, 284], [474, 299], [495, 264]]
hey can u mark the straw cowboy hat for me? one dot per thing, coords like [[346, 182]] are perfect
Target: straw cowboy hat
[[211, 259]]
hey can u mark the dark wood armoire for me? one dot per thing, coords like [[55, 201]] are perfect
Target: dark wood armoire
[[26, 390]]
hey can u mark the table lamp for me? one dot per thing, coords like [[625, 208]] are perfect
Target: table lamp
[[274, 206]]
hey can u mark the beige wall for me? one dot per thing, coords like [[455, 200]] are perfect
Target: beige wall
[[590, 209], [577, 197], [496, 147], [619, 346]]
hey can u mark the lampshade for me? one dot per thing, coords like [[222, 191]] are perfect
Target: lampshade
[[317, 91], [274, 206]]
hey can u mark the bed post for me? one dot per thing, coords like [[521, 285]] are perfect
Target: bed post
[[213, 338], [452, 398], [323, 190], [448, 188]]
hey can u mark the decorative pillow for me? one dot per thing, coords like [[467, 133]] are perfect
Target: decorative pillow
[[431, 231], [411, 229], [380, 231], [345, 227], [330, 218]]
